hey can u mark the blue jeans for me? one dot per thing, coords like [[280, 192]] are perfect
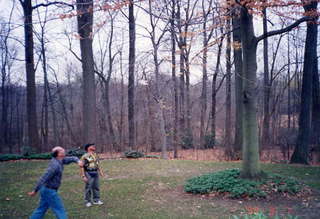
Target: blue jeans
[[49, 198], [92, 187]]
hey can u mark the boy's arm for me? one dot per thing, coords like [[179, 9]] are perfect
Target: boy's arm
[[101, 171], [83, 175], [99, 168], [82, 172]]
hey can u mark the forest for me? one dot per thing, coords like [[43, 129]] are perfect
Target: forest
[[169, 108], [161, 76]]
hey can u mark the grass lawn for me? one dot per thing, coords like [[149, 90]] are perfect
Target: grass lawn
[[146, 189]]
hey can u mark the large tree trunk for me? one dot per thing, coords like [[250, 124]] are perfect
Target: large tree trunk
[[204, 86], [85, 22], [266, 85], [54, 120], [181, 45], [316, 109], [251, 167], [289, 87], [160, 100], [237, 51], [5, 105], [228, 140], [160, 107], [151, 131], [301, 152], [33, 135], [214, 95], [4, 115], [188, 132], [175, 84], [45, 120], [121, 133], [131, 85], [108, 114], [182, 95], [107, 85]]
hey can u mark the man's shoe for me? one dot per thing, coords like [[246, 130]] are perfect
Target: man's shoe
[[88, 204], [98, 202]]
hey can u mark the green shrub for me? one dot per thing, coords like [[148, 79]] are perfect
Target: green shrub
[[7, 157], [133, 154], [42, 156], [27, 150], [223, 181], [187, 142], [284, 184], [77, 152], [229, 181], [152, 156], [209, 141]]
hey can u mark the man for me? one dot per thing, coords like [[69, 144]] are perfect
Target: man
[[90, 174], [49, 184]]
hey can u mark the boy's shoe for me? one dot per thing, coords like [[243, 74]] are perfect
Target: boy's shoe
[[88, 204], [98, 202]]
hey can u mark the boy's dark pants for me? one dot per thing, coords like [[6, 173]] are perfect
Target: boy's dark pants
[[92, 187]]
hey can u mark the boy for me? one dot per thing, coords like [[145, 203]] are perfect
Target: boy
[[90, 174]]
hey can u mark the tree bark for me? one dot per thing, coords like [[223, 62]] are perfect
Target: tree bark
[[228, 140], [266, 85], [160, 101], [237, 51], [107, 85], [131, 84], [33, 135], [289, 87], [45, 122], [301, 152], [85, 22], [316, 109], [214, 94], [204, 85], [175, 84], [121, 133], [251, 166]]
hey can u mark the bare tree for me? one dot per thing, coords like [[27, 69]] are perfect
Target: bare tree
[[33, 135], [266, 83], [237, 53], [7, 57], [207, 35], [156, 40], [107, 78], [85, 22], [228, 140], [131, 84], [301, 152]]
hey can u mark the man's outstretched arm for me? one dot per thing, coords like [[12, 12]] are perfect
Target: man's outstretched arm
[[68, 160]]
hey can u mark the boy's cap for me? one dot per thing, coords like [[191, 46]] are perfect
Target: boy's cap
[[88, 145]]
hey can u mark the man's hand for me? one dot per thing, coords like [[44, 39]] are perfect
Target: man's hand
[[80, 163], [33, 193]]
